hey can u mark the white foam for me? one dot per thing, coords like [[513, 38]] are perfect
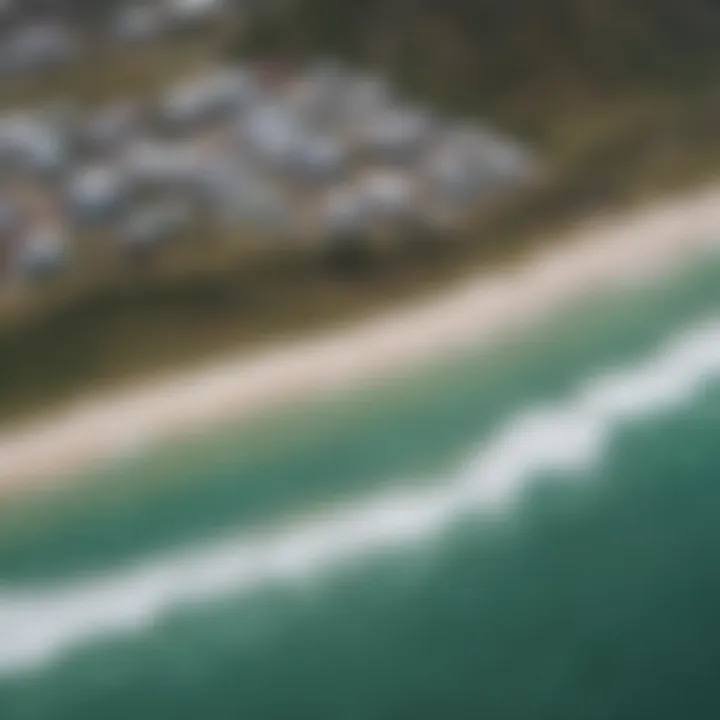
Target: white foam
[[40, 624]]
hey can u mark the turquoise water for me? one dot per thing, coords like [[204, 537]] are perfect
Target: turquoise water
[[422, 548]]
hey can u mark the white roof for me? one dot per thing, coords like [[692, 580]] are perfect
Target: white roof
[[321, 153], [96, 184], [201, 92], [35, 141], [388, 191], [272, 131], [148, 160], [43, 246]]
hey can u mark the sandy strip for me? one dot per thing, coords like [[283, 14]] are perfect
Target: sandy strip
[[601, 252]]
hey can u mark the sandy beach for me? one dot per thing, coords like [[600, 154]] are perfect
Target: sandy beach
[[599, 252]]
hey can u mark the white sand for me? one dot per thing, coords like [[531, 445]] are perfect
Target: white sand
[[600, 252]]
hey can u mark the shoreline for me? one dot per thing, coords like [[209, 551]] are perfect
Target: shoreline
[[601, 251]]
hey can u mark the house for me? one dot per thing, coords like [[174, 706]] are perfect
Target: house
[[320, 158], [28, 143], [211, 96], [394, 136], [389, 196], [97, 193], [154, 164], [271, 133], [43, 251]]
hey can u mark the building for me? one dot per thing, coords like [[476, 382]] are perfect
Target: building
[[97, 193], [395, 136], [319, 159], [43, 252], [389, 196], [28, 143], [212, 96], [271, 134]]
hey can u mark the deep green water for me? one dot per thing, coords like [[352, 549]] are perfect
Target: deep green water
[[572, 591]]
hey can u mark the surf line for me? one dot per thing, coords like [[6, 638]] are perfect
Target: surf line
[[41, 623]]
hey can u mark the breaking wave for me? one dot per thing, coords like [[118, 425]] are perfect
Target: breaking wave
[[38, 624]]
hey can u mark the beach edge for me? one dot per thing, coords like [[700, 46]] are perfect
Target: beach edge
[[94, 430]]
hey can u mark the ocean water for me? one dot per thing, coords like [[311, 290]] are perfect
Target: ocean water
[[527, 531]]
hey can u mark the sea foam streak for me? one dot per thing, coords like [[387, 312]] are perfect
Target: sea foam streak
[[39, 624]]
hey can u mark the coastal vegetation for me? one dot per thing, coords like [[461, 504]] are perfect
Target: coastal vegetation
[[618, 99]]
